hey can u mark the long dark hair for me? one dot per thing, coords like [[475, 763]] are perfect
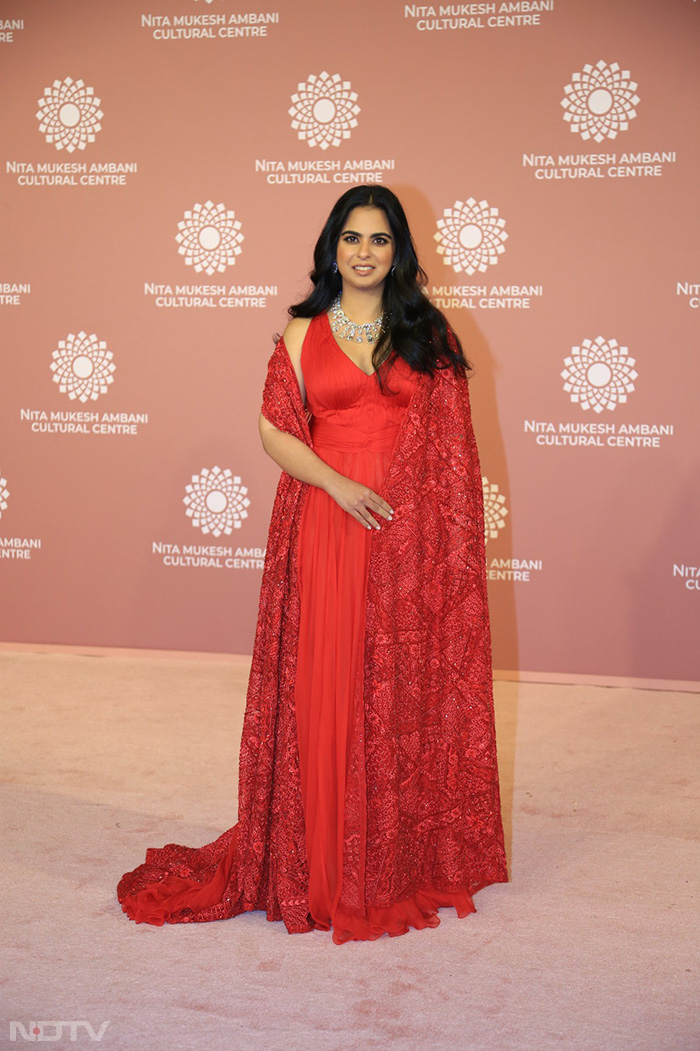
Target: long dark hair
[[415, 329]]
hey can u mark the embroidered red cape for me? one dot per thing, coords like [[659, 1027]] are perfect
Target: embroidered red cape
[[422, 806]]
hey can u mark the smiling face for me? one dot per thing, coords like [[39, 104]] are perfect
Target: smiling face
[[365, 249]]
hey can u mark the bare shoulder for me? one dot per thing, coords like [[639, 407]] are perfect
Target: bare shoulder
[[294, 335]]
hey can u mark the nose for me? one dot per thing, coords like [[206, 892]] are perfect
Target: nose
[[363, 249]]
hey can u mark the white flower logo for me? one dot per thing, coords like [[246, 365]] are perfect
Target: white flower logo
[[216, 501], [600, 100], [599, 374], [69, 115], [324, 111], [470, 236], [82, 366], [495, 510], [209, 238], [4, 493]]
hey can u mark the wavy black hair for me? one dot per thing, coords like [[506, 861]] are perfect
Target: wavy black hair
[[414, 329]]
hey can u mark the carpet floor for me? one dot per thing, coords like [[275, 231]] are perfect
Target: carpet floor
[[593, 943]]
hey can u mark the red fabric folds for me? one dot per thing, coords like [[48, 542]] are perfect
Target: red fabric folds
[[429, 831], [162, 902], [419, 911]]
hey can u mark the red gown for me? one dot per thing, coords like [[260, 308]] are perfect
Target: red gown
[[354, 427]]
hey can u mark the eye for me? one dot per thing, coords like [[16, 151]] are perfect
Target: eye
[[349, 238], [381, 240]]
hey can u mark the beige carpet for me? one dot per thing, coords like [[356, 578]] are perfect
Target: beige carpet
[[594, 943]]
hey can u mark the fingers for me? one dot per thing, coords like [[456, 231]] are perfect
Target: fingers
[[360, 512], [372, 504], [365, 519], [379, 506], [360, 501]]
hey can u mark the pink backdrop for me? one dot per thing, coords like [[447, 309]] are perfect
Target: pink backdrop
[[166, 169]]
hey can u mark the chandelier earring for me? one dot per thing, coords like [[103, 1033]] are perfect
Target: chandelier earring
[[334, 268]]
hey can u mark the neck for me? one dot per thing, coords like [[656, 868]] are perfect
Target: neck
[[362, 306]]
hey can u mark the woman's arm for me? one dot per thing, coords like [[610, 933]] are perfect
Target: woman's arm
[[298, 460]]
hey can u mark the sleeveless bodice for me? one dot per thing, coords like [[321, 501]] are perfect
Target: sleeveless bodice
[[348, 408]]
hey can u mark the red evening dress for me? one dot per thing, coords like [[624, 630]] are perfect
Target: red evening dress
[[354, 427]]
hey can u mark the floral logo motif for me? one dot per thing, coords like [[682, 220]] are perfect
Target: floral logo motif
[[495, 510], [209, 238], [216, 501], [324, 110], [470, 236], [4, 493], [69, 115], [82, 366], [599, 374], [600, 100]]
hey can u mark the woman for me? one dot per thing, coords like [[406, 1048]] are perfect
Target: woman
[[368, 785]]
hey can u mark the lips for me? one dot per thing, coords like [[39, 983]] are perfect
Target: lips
[[363, 269]]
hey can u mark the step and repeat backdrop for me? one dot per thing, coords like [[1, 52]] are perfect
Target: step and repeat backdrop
[[166, 168]]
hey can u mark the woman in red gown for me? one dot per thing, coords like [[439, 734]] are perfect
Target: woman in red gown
[[368, 791]]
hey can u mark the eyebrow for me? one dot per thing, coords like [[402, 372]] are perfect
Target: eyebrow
[[379, 233]]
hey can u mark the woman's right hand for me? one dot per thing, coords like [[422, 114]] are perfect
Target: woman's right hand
[[359, 501]]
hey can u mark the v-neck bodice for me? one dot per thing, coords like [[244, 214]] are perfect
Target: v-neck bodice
[[348, 356], [348, 407]]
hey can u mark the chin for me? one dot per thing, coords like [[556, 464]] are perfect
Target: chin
[[373, 280]]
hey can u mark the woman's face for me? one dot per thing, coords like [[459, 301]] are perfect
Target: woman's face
[[365, 249]]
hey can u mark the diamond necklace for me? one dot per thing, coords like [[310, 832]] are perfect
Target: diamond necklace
[[347, 329]]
